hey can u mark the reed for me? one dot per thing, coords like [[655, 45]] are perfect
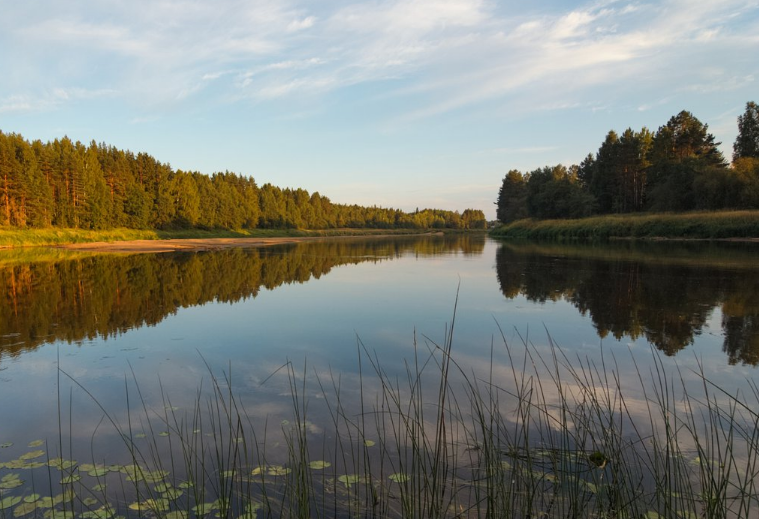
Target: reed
[[557, 438], [695, 225]]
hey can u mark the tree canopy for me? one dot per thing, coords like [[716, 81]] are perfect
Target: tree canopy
[[677, 168], [97, 186]]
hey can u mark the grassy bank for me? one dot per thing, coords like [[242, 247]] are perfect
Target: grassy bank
[[49, 237], [705, 226], [555, 438]]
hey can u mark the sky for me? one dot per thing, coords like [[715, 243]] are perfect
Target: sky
[[396, 103]]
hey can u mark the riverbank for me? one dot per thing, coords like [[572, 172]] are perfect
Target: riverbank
[[131, 240], [728, 225]]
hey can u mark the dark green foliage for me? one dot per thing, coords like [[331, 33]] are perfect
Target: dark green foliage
[[67, 184], [556, 193], [679, 168], [747, 143], [512, 198]]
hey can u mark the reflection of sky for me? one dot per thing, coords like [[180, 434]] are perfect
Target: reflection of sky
[[319, 324]]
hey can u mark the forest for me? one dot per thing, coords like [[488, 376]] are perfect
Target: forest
[[66, 184], [678, 168]]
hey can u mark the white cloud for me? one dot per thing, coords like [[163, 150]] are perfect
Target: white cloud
[[305, 23]]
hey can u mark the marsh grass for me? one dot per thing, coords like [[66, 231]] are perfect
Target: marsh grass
[[695, 225], [556, 438]]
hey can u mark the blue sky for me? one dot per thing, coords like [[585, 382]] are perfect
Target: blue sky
[[415, 103]]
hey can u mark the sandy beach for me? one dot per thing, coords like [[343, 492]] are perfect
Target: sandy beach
[[152, 246]]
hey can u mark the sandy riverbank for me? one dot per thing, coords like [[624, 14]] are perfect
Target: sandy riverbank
[[138, 246]]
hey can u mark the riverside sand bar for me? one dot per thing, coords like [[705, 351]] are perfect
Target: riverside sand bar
[[197, 244]]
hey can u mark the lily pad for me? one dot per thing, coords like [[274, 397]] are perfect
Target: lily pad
[[71, 478], [369, 443], [10, 481], [100, 487], [5, 445], [104, 512], [31, 455], [156, 505], [98, 472], [163, 433], [278, 470], [319, 465], [89, 501], [24, 509], [173, 493], [349, 479], [32, 498], [176, 514], [59, 514], [203, 508], [36, 443], [399, 477], [9, 502]]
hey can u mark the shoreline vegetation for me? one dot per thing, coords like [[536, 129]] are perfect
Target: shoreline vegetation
[[725, 225]]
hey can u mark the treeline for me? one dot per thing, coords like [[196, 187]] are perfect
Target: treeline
[[678, 168], [105, 295], [71, 185]]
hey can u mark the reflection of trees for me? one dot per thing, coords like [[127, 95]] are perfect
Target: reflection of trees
[[104, 295], [639, 294]]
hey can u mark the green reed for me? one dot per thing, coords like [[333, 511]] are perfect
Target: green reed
[[555, 437], [693, 225]]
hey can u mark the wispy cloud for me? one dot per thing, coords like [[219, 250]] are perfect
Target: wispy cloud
[[444, 55]]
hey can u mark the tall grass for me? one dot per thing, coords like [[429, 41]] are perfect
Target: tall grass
[[696, 225], [557, 437]]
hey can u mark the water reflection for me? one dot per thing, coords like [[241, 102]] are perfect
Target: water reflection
[[50, 296], [662, 292]]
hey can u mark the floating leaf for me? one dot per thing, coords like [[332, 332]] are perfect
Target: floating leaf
[[62, 464], [186, 484], [319, 465], [98, 472], [31, 455], [203, 508], [156, 505], [24, 509], [5, 445], [89, 501], [173, 493], [59, 514], [285, 422], [156, 476], [71, 478], [32, 498], [104, 512], [176, 514], [163, 433], [278, 470], [369, 443], [143, 435], [100, 487], [10, 481], [399, 477], [36, 443], [9, 502], [349, 479], [228, 474]]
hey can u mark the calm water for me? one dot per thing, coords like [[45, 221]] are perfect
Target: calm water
[[166, 322]]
